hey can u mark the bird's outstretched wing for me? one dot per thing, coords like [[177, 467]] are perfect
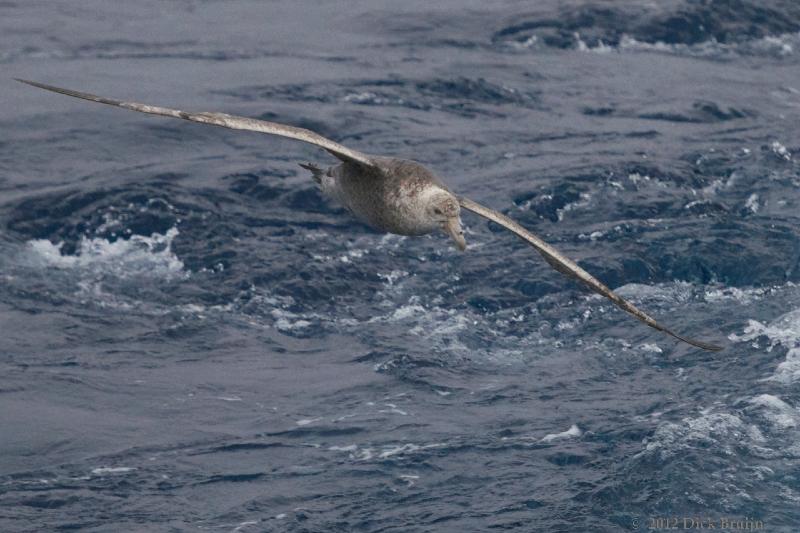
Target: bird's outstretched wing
[[225, 121], [568, 267]]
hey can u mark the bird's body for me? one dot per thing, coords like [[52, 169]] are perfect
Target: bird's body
[[392, 195]]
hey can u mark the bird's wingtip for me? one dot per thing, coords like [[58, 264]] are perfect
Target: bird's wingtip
[[699, 344], [708, 347], [33, 83]]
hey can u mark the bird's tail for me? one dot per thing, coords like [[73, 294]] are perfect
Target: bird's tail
[[316, 172]]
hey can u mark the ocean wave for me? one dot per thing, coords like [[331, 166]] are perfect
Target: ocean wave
[[772, 46], [719, 431], [137, 256], [776, 412], [395, 452], [573, 432], [460, 96], [699, 29], [783, 331]]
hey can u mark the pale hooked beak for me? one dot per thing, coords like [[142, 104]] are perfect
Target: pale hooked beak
[[453, 228]]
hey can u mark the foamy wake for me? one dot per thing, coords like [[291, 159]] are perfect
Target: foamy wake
[[773, 46], [783, 331], [367, 453], [137, 256], [765, 426]]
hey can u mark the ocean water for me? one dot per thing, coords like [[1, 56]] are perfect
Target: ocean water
[[194, 339]]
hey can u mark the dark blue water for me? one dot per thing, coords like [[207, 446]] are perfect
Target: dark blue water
[[194, 339]]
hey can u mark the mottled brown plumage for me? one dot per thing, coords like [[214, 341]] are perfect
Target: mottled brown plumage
[[392, 195]]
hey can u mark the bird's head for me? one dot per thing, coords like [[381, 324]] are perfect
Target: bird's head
[[446, 212]]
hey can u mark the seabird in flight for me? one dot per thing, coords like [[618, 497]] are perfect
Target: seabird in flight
[[392, 195]]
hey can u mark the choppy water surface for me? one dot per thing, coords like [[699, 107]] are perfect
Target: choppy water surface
[[193, 338]]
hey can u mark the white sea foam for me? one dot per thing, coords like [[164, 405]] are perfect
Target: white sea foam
[[367, 453], [407, 311], [409, 448], [229, 398], [393, 277], [748, 295], [585, 199], [242, 525], [600, 48], [776, 412], [783, 331], [675, 292], [409, 478], [650, 348], [401, 449], [137, 256], [104, 470], [355, 253], [288, 321], [781, 151], [766, 427], [573, 432], [635, 178], [752, 203], [774, 46], [393, 409], [710, 430], [788, 371], [435, 323], [369, 97], [307, 421]]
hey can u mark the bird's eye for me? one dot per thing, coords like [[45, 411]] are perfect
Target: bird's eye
[[437, 210]]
